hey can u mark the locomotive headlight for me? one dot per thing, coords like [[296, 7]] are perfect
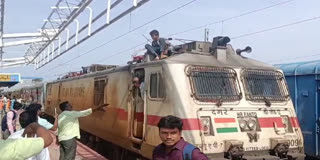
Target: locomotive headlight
[[206, 125], [287, 124], [243, 124], [205, 121], [252, 124]]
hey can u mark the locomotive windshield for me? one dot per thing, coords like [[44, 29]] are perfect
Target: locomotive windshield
[[212, 84], [262, 85]]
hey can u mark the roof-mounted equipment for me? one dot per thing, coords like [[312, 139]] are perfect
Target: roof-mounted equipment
[[247, 49], [219, 48]]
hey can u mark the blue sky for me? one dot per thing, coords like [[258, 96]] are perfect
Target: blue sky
[[276, 46]]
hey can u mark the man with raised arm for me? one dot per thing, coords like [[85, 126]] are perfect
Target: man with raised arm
[[68, 129]]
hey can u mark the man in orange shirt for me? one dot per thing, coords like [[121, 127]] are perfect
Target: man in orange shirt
[[1, 106], [8, 105]]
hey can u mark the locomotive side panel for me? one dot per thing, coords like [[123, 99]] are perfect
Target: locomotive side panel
[[111, 125], [83, 93]]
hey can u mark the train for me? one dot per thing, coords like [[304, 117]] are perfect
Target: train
[[303, 82], [232, 107]]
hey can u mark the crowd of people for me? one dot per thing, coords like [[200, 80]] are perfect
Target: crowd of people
[[31, 141]]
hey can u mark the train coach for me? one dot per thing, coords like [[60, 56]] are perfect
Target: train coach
[[304, 86], [232, 107]]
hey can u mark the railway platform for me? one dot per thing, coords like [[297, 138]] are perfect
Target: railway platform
[[83, 151]]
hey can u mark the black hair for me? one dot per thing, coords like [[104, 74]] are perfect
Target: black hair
[[27, 117], [17, 105], [170, 122], [63, 105], [154, 32], [34, 107]]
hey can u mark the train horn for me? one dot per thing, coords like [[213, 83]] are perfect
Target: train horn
[[247, 49]]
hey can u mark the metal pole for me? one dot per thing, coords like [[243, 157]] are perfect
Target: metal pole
[[48, 52], [52, 50], [90, 20], [1, 28], [59, 41], [108, 11], [135, 3], [67, 42], [77, 31]]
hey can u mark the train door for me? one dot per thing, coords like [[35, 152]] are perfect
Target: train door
[[137, 92]]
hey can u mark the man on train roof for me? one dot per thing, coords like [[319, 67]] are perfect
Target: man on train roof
[[158, 49], [173, 145]]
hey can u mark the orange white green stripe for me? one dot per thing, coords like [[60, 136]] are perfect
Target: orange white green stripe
[[225, 125]]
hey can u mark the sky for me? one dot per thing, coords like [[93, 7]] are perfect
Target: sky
[[292, 43]]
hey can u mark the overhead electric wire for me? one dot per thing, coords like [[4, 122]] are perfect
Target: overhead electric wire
[[247, 34], [223, 20], [233, 17], [293, 58], [226, 19], [159, 17], [277, 27]]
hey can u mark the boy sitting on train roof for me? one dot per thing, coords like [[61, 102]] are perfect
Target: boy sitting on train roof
[[159, 48]]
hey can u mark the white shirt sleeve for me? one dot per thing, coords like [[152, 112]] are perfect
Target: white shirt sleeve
[[44, 123], [77, 114]]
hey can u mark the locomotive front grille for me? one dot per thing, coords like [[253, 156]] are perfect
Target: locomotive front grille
[[264, 85], [214, 84]]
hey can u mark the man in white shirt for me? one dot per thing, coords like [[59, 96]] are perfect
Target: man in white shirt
[[25, 147], [26, 118], [35, 107]]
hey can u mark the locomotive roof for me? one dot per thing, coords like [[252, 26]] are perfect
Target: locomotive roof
[[192, 58]]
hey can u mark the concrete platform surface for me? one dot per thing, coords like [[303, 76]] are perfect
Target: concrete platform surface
[[83, 152]]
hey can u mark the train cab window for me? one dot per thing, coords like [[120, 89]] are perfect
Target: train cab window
[[49, 90], [214, 84], [264, 85], [99, 85], [156, 86]]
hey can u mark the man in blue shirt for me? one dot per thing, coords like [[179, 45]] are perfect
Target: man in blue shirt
[[158, 49]]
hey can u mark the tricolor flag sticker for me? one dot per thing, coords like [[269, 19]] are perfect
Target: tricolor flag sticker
[[226, 125]]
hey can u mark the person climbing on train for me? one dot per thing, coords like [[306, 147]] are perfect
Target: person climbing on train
[[138, 104], [9, 121], [173, 145], [36, 108], [25, 119], [138, 87], [68, 128], [158, 49], [24, 148]]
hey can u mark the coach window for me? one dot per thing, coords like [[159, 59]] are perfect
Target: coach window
[[99, 85], [156, 86]]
